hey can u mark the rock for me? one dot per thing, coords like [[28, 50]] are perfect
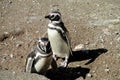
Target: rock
[[79, 47], [87, 43], [93, 71], [4, 36], [36, 31], [116, 33], [89, 75], [106, 31], [19, 43], [11, 55], [107, 70], [118, 39]]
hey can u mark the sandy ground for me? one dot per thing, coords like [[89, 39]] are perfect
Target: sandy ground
[[94, 25]]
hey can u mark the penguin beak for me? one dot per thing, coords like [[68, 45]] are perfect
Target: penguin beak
[[45, 46], [45, 49], [48, 16]]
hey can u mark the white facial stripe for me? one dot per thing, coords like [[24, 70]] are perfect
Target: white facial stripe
[[43, 42], [40, 40], [55, 14]]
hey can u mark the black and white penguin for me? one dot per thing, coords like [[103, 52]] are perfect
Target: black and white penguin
[[39, 60], [58, 37]]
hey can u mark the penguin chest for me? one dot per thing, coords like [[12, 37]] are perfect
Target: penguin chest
[[43, 64], [59, 46]]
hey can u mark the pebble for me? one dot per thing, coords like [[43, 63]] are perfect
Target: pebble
[[11, 55], [107, 70], [89, 75], [37, 32], [79, 47], [6, 33], [101, 39], [93, 71], [14, 72], [6, 44], [19, 43], [118, 39], [116, 33], [77, 65], [87, 43], [106, 31]]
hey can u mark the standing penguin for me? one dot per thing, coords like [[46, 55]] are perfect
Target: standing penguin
[[58, 37], [40, 58]]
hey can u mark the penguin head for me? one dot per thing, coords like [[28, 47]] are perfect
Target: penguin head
[[44, 45], [54, 16]]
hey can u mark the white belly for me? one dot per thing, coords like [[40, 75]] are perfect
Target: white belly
[[59, 46], [43, 64]]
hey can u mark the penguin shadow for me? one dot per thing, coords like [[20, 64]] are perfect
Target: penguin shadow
[[70, 73], [90, 55]]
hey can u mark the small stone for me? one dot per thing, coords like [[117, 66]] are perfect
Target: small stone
[[21, 56], [11, 55], [79, 47], [118, 39], [6, 44], [10, 2], [106, 31], [93, 71], [89, 75], [116, 33], [107, 70], [33, 1], [13, 72], [87, 43], [37, 32], [119, 55], [4, 58], [111, 43], [77, 65], [19, 43], [6, 68], [104, 62], [101, 39], [6, 32]]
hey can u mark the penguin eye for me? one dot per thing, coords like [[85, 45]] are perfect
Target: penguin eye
[[52, 16]]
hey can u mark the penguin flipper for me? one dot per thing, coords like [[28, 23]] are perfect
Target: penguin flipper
[[66, 37], [68, 42], [29, 65]]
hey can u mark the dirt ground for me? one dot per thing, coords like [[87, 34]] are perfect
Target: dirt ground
[[94, 25]]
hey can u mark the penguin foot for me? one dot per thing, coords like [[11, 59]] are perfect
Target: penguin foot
[[54, 57], [63, 64]]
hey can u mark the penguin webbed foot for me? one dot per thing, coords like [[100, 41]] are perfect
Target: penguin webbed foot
[[54, 57], [64, 63]]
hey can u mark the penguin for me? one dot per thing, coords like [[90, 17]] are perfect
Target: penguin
[[58, 36], [39, 60]]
